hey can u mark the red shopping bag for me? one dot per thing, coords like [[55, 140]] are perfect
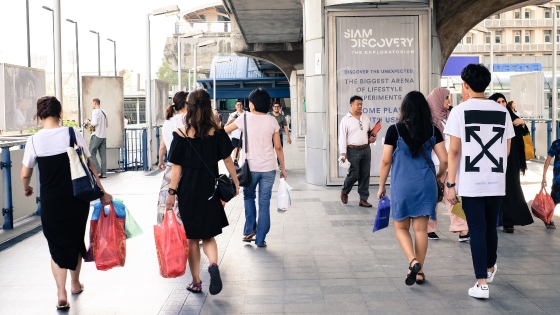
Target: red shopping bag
[[543, 206], [108, 240], [172, 247]]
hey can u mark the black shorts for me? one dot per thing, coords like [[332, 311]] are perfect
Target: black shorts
[[235, 142]]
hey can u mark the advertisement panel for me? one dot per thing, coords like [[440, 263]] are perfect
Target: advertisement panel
[[527, 91], [160, 100], [377, 58], [110, 91], [20, 88]]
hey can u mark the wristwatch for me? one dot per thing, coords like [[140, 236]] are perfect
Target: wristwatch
[[450, 185], [172, 191]]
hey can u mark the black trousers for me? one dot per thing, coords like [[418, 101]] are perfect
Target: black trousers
[[482, 216], [360, 165]]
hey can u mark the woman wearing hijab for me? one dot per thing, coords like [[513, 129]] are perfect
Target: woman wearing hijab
[[514, 209], [440, 105]]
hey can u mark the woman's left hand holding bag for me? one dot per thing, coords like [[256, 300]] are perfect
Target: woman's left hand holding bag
[[170, 202]]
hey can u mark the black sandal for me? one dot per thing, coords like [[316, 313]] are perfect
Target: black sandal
[[550, 225], [414, 269], [509, 229], [423, 278]]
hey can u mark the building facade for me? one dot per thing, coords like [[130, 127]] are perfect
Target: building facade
[[522, 32]]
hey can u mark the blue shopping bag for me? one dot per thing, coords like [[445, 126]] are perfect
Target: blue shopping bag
[[382, 216]]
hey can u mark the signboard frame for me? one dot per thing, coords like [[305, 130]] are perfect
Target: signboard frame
[[39, 88], [424, 66], [110, 91]]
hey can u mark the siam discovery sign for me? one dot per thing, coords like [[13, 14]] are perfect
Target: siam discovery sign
[[517, 67]]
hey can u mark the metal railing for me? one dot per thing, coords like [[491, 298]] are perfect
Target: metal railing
[[474, 48], [210, 27], [134, 155], [516, 23]]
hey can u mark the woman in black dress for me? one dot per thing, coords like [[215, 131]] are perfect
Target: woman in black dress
[[514, 209], [64, 217], [201, 210]]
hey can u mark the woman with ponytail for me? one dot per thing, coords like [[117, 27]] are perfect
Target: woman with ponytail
[[197, 148], [174, 116]]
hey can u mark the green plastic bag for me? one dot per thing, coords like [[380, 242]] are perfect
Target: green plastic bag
[[131, 228]]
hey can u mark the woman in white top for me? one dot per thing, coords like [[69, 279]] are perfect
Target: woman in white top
[[261, 129], [175, 115], [64, 217]]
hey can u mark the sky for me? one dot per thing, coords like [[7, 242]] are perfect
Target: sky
[[121, 20]]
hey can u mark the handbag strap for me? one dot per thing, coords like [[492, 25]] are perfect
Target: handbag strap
[[245, 133], [72, 137], [201, 159], [426, 158]]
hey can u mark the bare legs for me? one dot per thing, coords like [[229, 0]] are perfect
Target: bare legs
[[210, 249], [60, 275], [420, 247]]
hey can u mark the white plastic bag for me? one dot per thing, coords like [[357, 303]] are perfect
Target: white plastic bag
[[284, 199], [345, 164]]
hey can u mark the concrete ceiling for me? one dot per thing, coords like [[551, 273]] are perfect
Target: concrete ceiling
[[268, 21]]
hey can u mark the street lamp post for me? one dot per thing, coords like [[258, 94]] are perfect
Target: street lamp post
[[28, 36], [179, 56], [77, 74], [491, 66], [554, 88], [207, 43], [115, 52], [98, 53], [227, 60], [54, 50], [168, 11]]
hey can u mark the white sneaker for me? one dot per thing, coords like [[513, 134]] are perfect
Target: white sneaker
[[491, 275], [479, 292]]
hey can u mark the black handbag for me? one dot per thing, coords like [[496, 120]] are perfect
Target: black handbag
[[243, 172], [223, 185]]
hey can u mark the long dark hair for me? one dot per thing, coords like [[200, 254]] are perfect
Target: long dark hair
[[416, 115], [179, 102], [200, 115]]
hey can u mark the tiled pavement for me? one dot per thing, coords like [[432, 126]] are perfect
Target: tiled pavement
[[322, 258]]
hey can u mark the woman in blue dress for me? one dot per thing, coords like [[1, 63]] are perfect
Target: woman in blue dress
[[408, 147]]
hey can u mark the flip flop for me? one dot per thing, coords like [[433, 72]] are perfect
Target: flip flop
[[81, 290], [249, 238], [63, 307]]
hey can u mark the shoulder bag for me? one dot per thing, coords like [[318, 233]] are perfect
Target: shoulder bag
[[83, 181], [223, 185], [440, 185], [243, 172]]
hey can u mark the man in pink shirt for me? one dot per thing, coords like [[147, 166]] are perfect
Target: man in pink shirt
[[354, 139]]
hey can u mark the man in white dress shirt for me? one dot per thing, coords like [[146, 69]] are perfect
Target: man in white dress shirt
[[98, 141], [353, 141]]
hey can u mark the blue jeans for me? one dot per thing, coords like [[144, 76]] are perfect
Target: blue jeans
[[265, 180]]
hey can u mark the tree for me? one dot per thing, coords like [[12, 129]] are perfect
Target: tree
[[164, 73]]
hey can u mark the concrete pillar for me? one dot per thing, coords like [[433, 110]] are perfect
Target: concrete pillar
[[294, 104], [316, 139], [57, 52], [436, 56]]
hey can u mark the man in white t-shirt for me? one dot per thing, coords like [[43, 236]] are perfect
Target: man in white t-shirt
[[480, 132], [98, 141], [236, 135]]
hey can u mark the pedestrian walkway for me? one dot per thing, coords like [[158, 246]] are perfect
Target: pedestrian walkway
[[322, 258]]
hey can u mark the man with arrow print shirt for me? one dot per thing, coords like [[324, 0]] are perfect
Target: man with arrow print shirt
[[481, 132]]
